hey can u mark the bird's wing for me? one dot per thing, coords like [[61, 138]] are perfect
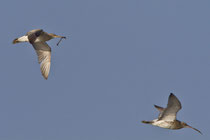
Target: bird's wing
[[169, 113], [33, 34], [160, 109], [44, 57]]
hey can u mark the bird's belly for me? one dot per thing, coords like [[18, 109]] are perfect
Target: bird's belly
[[163, 124]]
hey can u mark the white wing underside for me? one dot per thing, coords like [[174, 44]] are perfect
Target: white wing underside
[[169, 117], [169, 113], [44, 57]]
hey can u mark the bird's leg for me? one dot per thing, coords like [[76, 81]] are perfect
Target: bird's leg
[[61, 39]]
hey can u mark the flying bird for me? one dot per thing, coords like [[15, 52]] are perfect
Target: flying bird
[[167, 117], [38, 38]]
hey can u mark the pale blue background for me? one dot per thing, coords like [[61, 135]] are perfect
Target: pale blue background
[[120, 57]]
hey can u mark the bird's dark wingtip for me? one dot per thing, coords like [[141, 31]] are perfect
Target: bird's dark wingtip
[[171, 94], [45, 77]]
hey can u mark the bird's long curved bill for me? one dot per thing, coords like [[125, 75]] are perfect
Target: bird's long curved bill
[[194, 129], [60, 40]]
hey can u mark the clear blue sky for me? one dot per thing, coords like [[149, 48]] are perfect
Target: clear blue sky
[[120, 57]]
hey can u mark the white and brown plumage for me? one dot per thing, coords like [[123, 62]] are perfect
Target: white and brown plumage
[[167, 117], [38, 38]]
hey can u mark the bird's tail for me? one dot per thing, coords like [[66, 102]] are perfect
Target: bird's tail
[[147, 122], [20, 39]]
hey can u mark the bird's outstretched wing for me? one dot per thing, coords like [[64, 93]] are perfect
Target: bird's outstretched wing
[[160, 109], [173, 106], [44, 57]]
